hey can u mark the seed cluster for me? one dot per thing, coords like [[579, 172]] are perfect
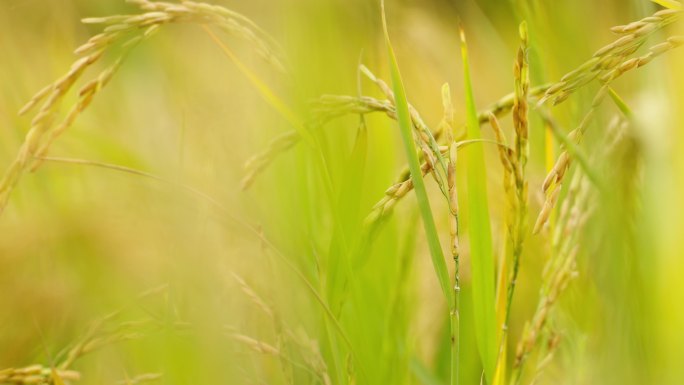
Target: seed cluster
[[608, 64], [403, 184], [35, 374]]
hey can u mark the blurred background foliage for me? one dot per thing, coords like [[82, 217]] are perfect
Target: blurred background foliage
[[79, 242]]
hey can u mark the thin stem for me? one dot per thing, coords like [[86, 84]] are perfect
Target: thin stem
[[455, 327], [452, 199]]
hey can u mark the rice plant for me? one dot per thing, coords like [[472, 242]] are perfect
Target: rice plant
[[202, 195]]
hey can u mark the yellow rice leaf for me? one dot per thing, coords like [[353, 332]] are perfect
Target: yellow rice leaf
[[671, 4]]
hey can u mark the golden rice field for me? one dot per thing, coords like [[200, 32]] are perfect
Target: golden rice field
[[341, 192]]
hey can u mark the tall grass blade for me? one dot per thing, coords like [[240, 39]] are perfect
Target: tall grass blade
[[620, 103], [479, 232], [406, 129], [671, 4]]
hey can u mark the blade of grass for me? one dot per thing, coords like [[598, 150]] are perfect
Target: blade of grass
[[479, 232], [405, 127], [620, 103], [671, 4]]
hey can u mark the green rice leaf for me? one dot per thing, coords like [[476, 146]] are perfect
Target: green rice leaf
[[621, 105], [406, 129], [479, 232]]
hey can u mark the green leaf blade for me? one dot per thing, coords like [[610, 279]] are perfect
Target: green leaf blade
[[406, 128], [481, 251]]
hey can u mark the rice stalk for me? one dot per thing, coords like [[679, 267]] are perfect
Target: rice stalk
[[392, 196], [42, 123], [424, 137], [553, 340], [608, 58], [254, 344], [384, 207], [608, 64], [403, 185], [448, 128], [564, 260], [260, 161], [232, 22], [518, 197], [329, 107], [128, 30], [576, 211], [558, 271], [255, 298], [310, 350], [85, 95], [35, 374], [313, 363], [515, 190], [554, 179], [95, 338]]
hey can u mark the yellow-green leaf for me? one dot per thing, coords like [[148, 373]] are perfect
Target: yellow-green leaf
[[671, 4], [406, 129], [56, 379], [479, 232]]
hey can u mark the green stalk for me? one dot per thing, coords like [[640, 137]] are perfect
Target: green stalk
[[481, 254], [453, 229]]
